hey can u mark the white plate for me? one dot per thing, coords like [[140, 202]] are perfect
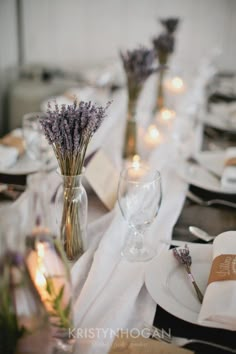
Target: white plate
[[220, 122], [168, 284], [25, 166], [199, 176]]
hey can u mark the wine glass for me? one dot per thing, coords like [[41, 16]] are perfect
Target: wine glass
[[139, 198], [36, 144]]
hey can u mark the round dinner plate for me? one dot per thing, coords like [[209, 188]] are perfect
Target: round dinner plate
[[198, 175], [168, 283], [24, 166], [219, 122]]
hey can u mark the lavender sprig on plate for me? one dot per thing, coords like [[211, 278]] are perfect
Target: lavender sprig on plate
[[183, 257]]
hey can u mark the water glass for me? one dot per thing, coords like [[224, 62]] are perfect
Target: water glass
[[139, 198]]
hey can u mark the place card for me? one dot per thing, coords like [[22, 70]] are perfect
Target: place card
[[126, 345], [103, 178]]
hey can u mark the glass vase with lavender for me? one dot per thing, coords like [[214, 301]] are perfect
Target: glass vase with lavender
[[69, 130], [164, 47], [138, 65]]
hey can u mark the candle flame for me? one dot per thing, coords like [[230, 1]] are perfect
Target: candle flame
[[40, 250], [177, 82], [39, 277], [153, 131], [167, 114], [136, 161]]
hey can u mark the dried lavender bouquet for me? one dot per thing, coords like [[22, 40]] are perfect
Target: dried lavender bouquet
[[164, 46], [138, 64], [69, 130]]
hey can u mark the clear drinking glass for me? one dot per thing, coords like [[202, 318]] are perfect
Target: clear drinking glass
[[139, 197], [36, 144]]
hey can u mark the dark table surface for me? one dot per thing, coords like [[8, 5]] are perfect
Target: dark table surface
[[214, 220]]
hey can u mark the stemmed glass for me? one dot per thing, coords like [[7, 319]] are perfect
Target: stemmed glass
[[36, 144], [139, 198]]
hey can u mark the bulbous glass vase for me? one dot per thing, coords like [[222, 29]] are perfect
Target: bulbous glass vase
[[72, 208]]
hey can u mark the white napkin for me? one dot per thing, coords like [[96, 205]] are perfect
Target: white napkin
[[8, 156], [228, 180], [219, 305]]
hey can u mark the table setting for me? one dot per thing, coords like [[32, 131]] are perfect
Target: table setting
[[117, 214]]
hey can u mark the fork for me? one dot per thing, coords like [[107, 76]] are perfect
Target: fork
[[202, 202], [163, 336]]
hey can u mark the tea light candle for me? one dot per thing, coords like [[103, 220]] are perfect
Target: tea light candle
[[136, 162], [38, 260], [152, 137], [166, 114], [175, 85]]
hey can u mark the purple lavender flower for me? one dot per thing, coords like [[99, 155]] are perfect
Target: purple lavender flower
[[183, 256], [138, 64], [170, 24], [69, 130], [164, 46]]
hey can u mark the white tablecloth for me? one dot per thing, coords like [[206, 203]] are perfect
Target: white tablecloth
[[110, 293]]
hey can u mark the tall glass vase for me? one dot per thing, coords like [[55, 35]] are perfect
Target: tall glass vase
[[160, 90], [73, 225], [130, 139]]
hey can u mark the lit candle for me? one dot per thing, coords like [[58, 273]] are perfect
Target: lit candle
[[47, 270], [152, 138], [136, 162], [166, 114], [175, 85]]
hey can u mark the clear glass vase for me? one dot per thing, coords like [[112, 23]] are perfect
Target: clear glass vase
[[130, 139], [160, 90], [72, 205]]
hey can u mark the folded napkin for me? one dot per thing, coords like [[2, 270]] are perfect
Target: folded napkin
[[228, 180], [219, 305]]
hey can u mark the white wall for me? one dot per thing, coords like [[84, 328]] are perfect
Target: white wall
[[8, 48], [84, 32], [78, 33]]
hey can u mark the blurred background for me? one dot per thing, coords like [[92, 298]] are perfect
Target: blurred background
[[48, 39]]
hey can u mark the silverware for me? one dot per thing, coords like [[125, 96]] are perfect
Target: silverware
[[183, 256], [194, 161], [211, 202], [203, 235], [163, 336]]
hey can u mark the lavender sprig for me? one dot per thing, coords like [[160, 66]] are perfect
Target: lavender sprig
[[164, 46], [183, 257], [138, 64], [69, 130], [170, 24]]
